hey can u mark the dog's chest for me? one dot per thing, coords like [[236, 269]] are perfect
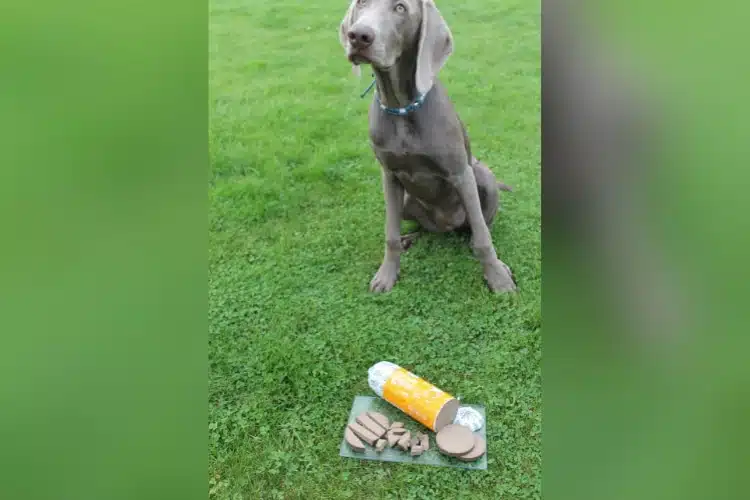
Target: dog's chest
[[400, 149], [418, 172]]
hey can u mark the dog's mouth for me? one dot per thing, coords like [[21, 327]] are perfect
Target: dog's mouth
[[358, 58], [363, 56]]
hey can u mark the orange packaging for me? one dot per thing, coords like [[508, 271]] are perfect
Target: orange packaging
[[413, 395]]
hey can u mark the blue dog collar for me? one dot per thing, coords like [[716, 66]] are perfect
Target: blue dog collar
[[402, 111], [396, 111]]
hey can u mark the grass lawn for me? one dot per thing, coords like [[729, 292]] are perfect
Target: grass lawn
[[296, 233]]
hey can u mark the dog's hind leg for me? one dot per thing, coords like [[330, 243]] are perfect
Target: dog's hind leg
[[488, 188], [415, 211]]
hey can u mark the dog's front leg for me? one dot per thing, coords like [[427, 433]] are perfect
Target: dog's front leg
[[387, 275], [496, 273]]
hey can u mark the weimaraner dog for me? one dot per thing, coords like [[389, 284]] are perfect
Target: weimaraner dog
[[429, 174]]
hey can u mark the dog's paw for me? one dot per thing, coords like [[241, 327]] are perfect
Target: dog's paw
[[499, 277], [385, 278]]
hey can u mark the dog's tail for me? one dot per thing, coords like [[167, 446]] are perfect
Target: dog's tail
[[500, 185], [504, 187]]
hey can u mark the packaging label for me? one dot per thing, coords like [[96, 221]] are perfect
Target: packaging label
[[414, 396]]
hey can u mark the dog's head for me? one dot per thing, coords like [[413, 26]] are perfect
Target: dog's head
[[381, 32]]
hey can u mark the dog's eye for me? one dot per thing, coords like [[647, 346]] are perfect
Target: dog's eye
[[400, 8], [361, 2]]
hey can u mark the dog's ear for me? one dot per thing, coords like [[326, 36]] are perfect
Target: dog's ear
[[346, 24], [435, 45]]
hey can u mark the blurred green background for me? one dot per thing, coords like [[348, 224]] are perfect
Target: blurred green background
[[645, 371], [103, 254]]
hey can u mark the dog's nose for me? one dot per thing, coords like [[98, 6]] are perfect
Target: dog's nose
[[361, 36]]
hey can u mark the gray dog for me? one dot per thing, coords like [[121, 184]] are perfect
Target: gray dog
[[429, 173]]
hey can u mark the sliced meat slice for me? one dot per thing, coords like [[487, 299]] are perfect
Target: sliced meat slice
[[479, 449], [424, 441], [379, 418], [362, 433], [353, 441], [414, 442], [392, 439], [454, 440], [404, 442], [380, 445], [365, 421]]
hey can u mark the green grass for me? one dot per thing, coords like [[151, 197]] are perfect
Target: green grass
[[296, 218]]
